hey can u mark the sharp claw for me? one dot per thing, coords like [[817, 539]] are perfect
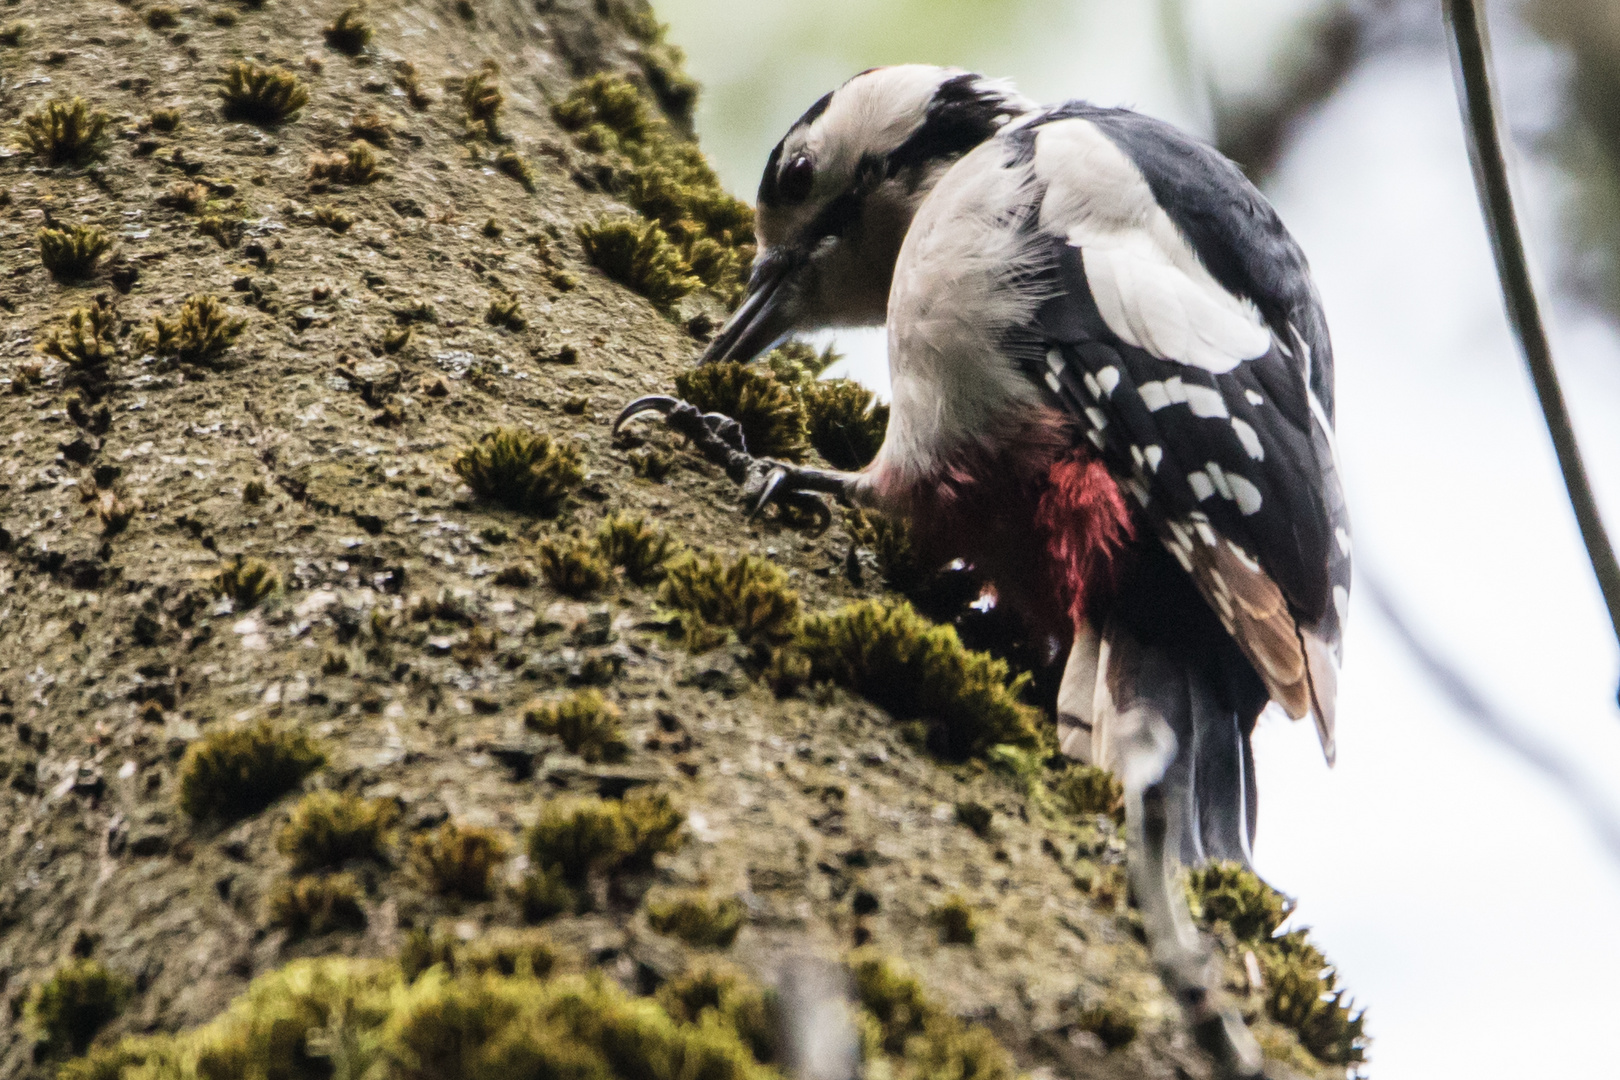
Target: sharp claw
[[773, 481], [658, 403]]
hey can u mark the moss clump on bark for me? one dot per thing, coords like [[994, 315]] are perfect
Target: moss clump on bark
[[586, 723], [638, 255], [315, 904], [699, 920], [71, 254], [200, 334], [457, 860], [883, 650], [531, 473], [666, 179], [642, 551], [262, 95], [65, 131], [770, 414], [845, 422], [747, 596], [64, 1012], [232, 772], [328, 829]]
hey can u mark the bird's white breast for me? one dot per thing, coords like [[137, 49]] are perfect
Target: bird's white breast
[[954, 295]]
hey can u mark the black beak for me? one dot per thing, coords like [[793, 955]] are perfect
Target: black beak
[[762, 319]]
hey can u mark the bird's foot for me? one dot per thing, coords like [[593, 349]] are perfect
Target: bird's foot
[[797, 489]]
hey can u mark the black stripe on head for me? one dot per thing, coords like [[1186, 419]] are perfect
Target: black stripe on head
[[768, 193], [964, 112]]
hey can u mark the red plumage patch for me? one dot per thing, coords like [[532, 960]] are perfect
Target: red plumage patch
[[1085, 526]]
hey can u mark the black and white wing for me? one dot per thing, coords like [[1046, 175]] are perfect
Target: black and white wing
[[1178, 319]]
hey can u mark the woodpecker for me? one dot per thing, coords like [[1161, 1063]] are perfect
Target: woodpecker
[[1112, 396]]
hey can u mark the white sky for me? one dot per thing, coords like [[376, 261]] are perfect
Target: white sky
[[1464, 901]]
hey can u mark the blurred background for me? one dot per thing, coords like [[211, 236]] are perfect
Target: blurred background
[[1463, 870]]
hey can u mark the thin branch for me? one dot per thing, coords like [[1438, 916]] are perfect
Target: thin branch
[[1471, 66]]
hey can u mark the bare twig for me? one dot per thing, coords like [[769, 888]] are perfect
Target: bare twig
[[1471, 66]]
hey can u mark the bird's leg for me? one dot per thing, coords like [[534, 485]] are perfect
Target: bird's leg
[[763, 480], [1184, 965]]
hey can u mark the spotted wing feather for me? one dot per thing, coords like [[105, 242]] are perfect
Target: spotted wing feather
[[1234, 468]]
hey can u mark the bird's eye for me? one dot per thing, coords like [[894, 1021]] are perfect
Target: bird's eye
[[797, 177]]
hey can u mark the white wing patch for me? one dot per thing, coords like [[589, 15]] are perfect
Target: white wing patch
[[1148, 283]]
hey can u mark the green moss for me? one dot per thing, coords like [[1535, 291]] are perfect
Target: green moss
[[64, 1012], [457, 860], [186, 196], [638, 255], [349, 33], [511, 163], [643, 551], [71, 254], [573, 567], [482, 100], [232, 772], [976, 816], [797, 363], [652, 464], [65, 131], [956, 921], [1227, 892], [408, 79], [772, 420], [165, 121], [225, 231], [889, 541], [372, 127], [748, 596], [586, 722], [531, 473], [335, 218], [200, 334], [161, 17], [14, 34], [665, 178], [262, 95], [903, 1023], [1115, 1023], [328, 828], [313, 904], [505, 311], [1301, 986], [87, 341], [717, 993], [898, 660], [396, 339], [245, 583], [1088, 790], [845, 421], [355, 166], [1302, 993], [574, 839], [543, 894], [699, 920]]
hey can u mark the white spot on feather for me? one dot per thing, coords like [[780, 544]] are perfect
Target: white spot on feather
[[1218, 476], [1249, 438], [1203, 487], [1343, 537], [1254, 398], [1154, 455], [1096, 437], [1244, 493], [1091, 385], [1205, 401], [1054, 360], [1136, 455], [1341, 602], [1097, 418], [1108, 379], [1052, 381], [1243, 557]]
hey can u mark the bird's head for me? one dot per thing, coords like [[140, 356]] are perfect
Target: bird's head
[[839, 193]]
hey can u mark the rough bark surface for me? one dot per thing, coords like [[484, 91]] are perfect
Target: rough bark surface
[[116, 653]]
